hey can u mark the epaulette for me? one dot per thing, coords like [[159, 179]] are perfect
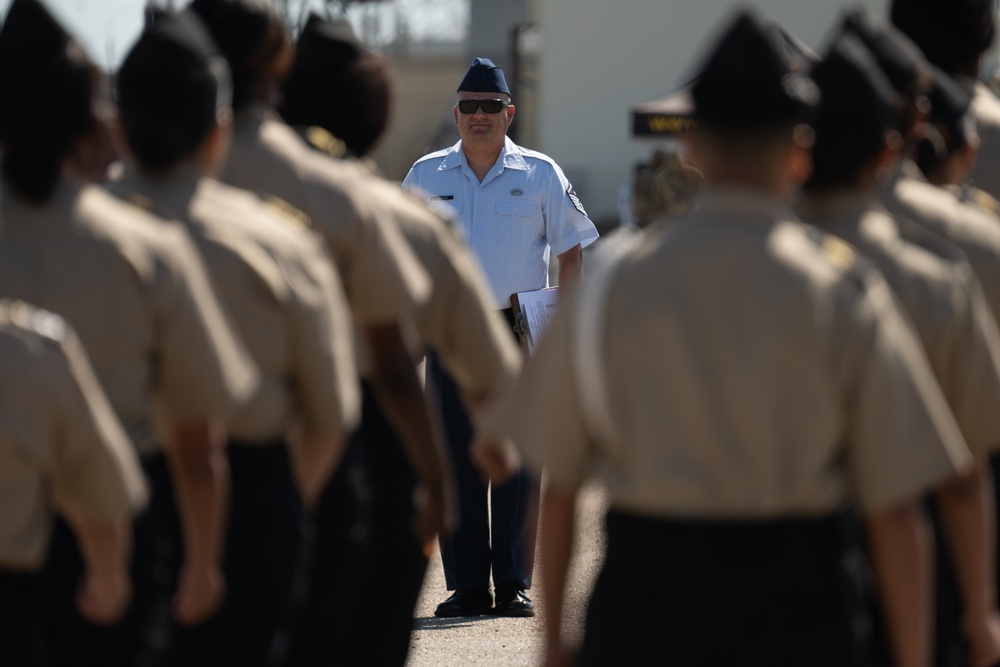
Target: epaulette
[[325, 142], [839, 252], [285, 211], [39, 321], [983, 200]]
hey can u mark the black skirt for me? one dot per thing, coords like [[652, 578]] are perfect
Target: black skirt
[[782, 593]]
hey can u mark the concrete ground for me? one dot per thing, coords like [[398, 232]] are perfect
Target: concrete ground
[[508, 642]]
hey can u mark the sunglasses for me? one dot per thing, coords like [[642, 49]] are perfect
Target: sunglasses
[[488, 106]]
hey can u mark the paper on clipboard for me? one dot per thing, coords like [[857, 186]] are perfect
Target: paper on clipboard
[[538, 307]]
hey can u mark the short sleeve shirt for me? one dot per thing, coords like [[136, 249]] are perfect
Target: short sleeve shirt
[[383, 280], [135, 290], [942, 297], [768, 374], [61, 446], [523, 210], [282, 295]]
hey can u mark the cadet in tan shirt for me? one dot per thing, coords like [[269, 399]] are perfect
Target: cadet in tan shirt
[[955, 35], [944, 301], [61, 449], [136, 293], [383, 280], [457, 321], [285, 299], [735, 382]]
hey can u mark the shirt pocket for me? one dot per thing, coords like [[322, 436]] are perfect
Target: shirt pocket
[[519, 222]]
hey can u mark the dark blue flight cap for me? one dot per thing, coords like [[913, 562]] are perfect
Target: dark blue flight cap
[[484, 77], [749, 81], [898, 57]]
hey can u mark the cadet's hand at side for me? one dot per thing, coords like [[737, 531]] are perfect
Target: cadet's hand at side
[[435, 514], [199, 594], [498, 461], [103, 600]]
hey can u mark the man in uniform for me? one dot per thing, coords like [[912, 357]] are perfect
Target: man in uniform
[[940, 293], [283, 297], [136, 292], [515, 207], [954, 35], [62, 449], [734, 379], [457, 320]]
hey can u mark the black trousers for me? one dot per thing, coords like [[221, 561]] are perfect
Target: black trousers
[[263, 545], [703, 594], [476, 549], [156, 550], [21, 639], [365, 566]]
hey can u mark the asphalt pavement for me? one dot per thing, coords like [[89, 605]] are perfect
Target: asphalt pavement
[[508, 642]]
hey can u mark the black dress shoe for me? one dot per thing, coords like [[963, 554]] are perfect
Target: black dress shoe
[[466, 602], [511, 601]]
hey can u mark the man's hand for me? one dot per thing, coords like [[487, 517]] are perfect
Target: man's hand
[[498, 461], [102, 600], [983, 635], [199, 594]]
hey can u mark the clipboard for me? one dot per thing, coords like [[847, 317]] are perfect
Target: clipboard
[[533, 312]]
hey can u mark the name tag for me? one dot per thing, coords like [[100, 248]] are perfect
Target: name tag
[[443, 198]]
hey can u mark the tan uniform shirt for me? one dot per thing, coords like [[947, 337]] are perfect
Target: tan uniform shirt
[[282, 296], [135, 291], [976, 233], [942, 297], [382, 278], [61, 446], [986, 110], [755, 369]]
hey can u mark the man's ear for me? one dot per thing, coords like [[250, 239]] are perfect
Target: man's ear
[[510, 113], [117, 134], [454, 112]]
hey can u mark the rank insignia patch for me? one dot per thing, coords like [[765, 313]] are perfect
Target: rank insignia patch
[[577, 204]]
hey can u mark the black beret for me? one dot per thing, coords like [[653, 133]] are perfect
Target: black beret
[[175, 79], [327, 45], [45, 76], [897, 56], [858, 100], [748, 81], [484, 77], [950, 104], [800, 57], [947, 31]]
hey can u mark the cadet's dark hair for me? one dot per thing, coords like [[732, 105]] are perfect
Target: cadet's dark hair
[[43, 116], [353, 102], [254, 39], [953, 34]]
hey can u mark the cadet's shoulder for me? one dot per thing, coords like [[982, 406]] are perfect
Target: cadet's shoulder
[[28, 331], [325, 142], [124, 216], [920, 236]]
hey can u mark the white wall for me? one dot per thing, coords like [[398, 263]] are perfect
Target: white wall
[[601, 56]]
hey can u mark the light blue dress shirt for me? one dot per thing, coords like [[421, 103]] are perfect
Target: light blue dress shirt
[[524, 209]]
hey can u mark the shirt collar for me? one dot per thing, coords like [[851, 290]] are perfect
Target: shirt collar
[[742, 201], [510, 157]]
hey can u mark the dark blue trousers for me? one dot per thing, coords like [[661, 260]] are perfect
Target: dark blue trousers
[[473, 551]]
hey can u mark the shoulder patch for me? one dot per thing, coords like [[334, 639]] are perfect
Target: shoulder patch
[[325, 142], [42, 322], [984, 200], [285, 211], [838, 252], [577, 204]]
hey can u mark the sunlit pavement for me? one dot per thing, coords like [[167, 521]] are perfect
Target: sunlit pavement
[[507, 642]]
